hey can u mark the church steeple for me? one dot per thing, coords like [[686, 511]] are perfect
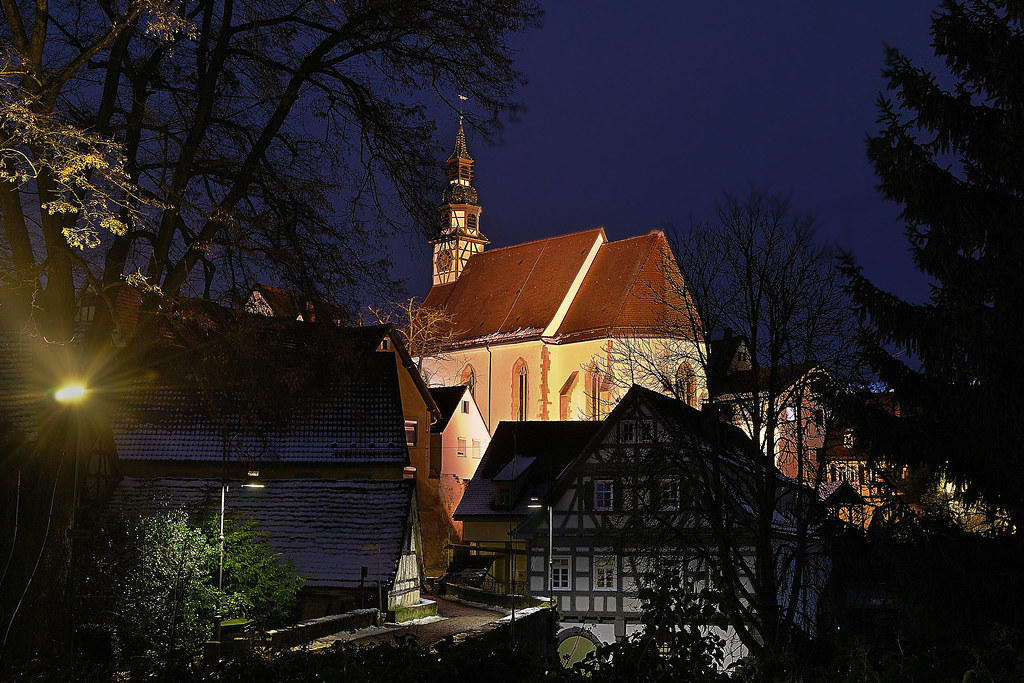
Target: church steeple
[[459, 236]]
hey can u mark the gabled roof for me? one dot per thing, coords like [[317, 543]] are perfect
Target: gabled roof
[[575, 287], [448, 400], [625, 289], [321, 525], [273, 301], [513, 292], [360, 421], [543, 449]]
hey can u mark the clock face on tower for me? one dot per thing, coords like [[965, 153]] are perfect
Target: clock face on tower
[[444, 260]]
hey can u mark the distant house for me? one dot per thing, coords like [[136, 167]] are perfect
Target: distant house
[[626, 504], [520, 464], [458, 441], [345, 537], [539, 329], [274, 302]]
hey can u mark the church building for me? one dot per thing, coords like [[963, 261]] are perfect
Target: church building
[[551, 329]]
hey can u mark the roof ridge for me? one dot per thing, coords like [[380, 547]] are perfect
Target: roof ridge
[[545, 239]]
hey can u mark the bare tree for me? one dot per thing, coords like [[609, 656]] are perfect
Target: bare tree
[[426, 331], [190, 148], [777, 354]]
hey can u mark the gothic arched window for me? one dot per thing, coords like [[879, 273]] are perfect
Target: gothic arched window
[[468, 379], [598, 391], [686, 384], [520, 390]]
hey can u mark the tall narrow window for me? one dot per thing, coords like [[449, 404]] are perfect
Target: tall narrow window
[[468, 378], [411, 432], [604, 572], [462, 448], [520, 390], [560, 573], [686, 384], [599, 392]]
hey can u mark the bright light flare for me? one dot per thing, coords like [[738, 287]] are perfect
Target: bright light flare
[[70, 393]]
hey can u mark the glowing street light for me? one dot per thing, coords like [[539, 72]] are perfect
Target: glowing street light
[[70, 393]]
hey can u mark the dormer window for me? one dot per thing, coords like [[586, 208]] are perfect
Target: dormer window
[[503, 496]]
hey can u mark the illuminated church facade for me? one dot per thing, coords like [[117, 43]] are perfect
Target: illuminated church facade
[[544, 330]]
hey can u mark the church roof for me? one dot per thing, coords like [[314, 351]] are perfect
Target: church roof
[[518, 292]]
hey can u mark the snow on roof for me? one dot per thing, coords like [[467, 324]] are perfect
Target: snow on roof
[[329, 529], [361, 422]]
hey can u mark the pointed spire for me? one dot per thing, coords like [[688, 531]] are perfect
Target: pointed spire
[[460, 152]]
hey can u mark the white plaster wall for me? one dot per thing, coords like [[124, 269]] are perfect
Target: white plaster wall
[[468, 426]]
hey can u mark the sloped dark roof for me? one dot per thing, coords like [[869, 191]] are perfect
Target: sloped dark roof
[[551, 445], [321, 525], [448, 400], [287, 304], [361, 421]]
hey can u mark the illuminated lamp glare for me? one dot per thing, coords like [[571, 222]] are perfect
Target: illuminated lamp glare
[[71, 392]]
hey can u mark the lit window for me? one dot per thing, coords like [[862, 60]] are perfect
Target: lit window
[[560, 573], [604, 494], [604, 572], [668, 493], [462, 448], [411, 432], [848, 438], [790, 413], [476, 449]]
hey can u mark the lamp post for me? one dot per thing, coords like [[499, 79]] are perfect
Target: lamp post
[[252, 481], [72, 395], [536, 505]]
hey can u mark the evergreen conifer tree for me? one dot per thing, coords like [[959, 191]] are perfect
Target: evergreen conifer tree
[[951, 152]]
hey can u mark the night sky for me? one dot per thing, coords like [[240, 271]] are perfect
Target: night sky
[[642, 114]]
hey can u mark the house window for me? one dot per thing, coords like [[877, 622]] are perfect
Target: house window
[[790, 413], [848, 438], [465, 407], [520, 389], [604, 494], [634, 431], [385, 344], [468, 378], [559, 573], [476, 449], [462, 448], [411, 432], [604, 572], [503, 496], [668, 493]]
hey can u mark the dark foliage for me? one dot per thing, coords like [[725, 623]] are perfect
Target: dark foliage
[[950, 152]]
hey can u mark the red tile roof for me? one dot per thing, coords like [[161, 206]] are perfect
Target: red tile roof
[[514, 293]]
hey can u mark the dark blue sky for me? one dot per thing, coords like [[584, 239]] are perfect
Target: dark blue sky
[[640, 114]]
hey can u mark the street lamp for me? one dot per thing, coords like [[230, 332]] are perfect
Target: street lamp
[[535, 504], [71, 396]]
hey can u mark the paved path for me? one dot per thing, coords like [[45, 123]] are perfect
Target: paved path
[[453, 618]]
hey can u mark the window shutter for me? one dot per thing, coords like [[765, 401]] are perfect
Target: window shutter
[[588, 495]]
